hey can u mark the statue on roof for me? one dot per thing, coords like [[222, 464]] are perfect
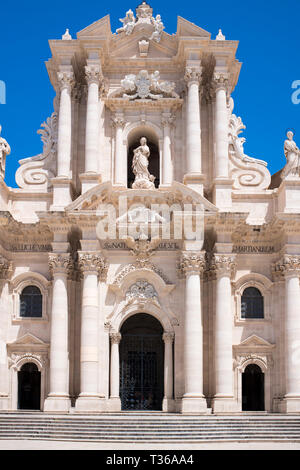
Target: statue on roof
[[159, 27], [128, 23], [4, 151], [292, 155]]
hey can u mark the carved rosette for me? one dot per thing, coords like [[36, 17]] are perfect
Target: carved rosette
[[115, 338], [289, 265], [223, 265], [192, 75], [60, 263], [192, 263], [168, 337], [92, 74], [65, 80], [92, 263], [5, 268]]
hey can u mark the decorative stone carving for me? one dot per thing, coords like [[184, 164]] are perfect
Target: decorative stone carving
[[168, 337], [65, 80], [292, 155], [142, 290], [220, 36], [145, 265], [128, 23], [92, 262], [144, 13], [140, 163], [246, 172], [223, 264], [142, 249], [159, 27], [192, 263], [287, 265], [37, 171], [5, 268], [4, 151], [144, 48], [143, 18], [92, 74], [115, 338], [144, 86], [192, 75], [67, 36], [221, 80], [15, 359], [118, 121], [60, 263], [168, 120]]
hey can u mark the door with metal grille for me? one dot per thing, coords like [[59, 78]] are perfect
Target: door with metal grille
[[141, 371]]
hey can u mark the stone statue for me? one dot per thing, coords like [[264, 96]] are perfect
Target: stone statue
[[144, 86], [292, 155], [140, 162], [128, 23], [159, 27], [4, 150]]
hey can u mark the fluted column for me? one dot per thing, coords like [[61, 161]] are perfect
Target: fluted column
[[290, 267], [58, 398], [90, 264], [92, 74], [193, 124], [192, 265], [223, 267], [115, 339], [221, 126], [167, 164], [120, 177], [168, 338], [64, 143]]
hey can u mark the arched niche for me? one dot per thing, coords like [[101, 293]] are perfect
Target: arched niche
[[133, 141]]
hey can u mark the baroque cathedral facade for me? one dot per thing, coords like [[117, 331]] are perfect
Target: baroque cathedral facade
[[148, 263]]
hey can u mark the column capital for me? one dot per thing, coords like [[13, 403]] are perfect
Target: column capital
[[5, 268], [221, 81], [168, 337], [60, 263], [289, 265], [223, 265], [93, 74], [192, 262], [168, 120], [118, 121], [92, 262], [65, 80], [115, 337], [192, 75]]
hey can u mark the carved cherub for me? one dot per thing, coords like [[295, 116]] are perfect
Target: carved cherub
[[159, 27]]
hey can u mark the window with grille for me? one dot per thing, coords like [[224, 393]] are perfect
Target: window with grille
[[31, 302], [252, 303]]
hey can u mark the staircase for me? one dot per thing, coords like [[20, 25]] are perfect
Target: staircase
[[134, 427]]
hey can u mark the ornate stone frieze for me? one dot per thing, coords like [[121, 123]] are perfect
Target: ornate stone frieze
[[168, 337], [65, 80], [147, 266], [15, 359], [115, 337], [146, 86], [192, 263], [289, 264], [92, 262], [247, 172], [60, 263]]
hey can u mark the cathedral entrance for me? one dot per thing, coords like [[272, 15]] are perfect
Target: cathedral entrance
[[29, 387], [141, 364], [253, 393]]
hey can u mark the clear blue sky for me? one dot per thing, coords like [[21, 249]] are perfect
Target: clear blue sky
[[268, 32]]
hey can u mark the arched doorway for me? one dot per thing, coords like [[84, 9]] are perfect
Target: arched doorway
[[29, 387], [141, 363], [154, 167], [253, 389]]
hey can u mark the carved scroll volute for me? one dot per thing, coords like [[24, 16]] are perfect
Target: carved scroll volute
[[192, 263], [60, 263], [92, 263]]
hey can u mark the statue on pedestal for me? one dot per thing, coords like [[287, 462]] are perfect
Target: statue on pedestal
[[140, 163], [4, 150], [128, 23], [292, 155]]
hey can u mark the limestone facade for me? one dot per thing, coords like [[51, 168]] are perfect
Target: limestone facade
[[224, 299]]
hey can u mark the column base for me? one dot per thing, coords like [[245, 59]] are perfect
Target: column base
[[194, 405], [194, 181], [222, 190], [89, 180], [289, 404], [168, 405], [114, 404], [4, 403], [62, 188], [89, 403], [225, 405], [57, 404]]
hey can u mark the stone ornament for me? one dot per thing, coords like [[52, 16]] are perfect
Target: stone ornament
[[67, 36], [144, 48], [192, 263], [115, 338], [142, 249], [140, 163], [143, 17], [91, 262], [60, 263], [128, 23], [292, 155], [158, 28], [220, 36], [146, 265], [192, 75], [5, 268], [289, 264], [141, 290], [223, 264], [4, 151], [118, 121], [247, 172], [65, 80], [145, 86], [92, 74], [168, 337]]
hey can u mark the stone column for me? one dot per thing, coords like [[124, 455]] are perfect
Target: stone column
[[115, 339], [224, 267], [192, 265], [167, 164], [91, 264], [58, 398], [5, 274], [290, 266], [193, 125], [120, 177], [168, 402], [221, 126], [92, 74]]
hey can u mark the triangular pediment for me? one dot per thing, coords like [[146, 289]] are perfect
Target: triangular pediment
[[124, 46], [255, 341], [27, 339], [98, 29], [187, 29]]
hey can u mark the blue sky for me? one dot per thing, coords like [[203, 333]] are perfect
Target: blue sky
[[268, 32]]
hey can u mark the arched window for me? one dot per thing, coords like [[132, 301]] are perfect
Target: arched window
[[31, 302], [252, 304]]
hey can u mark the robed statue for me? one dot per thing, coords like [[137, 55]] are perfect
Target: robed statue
[[140, 163], [4, 150], [292, 155]]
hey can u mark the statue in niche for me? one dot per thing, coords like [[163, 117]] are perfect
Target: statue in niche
[[4, 151], [128, 23], [140, 163], [292, 155]]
